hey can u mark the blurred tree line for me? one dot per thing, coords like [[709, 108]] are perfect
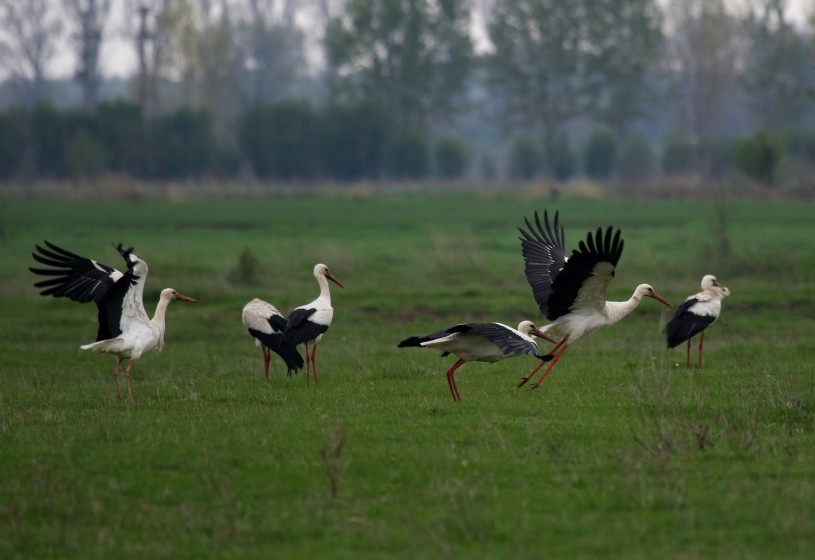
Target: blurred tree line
[[293, 90]]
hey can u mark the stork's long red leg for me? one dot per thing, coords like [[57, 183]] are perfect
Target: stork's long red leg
[[314, 363], [526, 378], [550, 355], [116, 377], [308, 365], [127, 376], [451, 379], [687, 362], [266, 359], [557, 357], [701, 345]]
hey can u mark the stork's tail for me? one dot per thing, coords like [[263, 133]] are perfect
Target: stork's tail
[[412, 341], [293, 359], [110, 345]]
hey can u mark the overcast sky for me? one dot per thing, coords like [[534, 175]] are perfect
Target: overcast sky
[[118, 55]]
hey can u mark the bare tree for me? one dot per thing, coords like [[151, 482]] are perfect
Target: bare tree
[[89, 19], [534, 67], [411, 57], [157, 28], [705, 50], [777, 76], [271, 49], [29, 32]]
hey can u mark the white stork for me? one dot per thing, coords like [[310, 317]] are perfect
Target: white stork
[[125, 330], [307, 323], [265, 323], [478, 342], [572, 292], [696, 314]]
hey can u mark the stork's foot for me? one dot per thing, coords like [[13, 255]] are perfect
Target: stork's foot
[[534, 386], [522, 382]]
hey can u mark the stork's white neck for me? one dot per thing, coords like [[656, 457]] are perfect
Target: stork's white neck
[[325, 292], [159, 317], [617, 310]]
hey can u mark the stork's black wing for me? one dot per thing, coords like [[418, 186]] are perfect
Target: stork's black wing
[[82, 279], [273, 341], [112, 303], [299, 329], [544, 255], [78, 278], [559, 284], [508, 340], [685, 324]]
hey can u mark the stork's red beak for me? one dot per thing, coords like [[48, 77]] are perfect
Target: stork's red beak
[[660, 299], [544, 336], [182, 297], [334, 279]]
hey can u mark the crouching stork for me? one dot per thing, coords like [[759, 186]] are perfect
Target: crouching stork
[[125, 330], [479, 342], [695, 315]]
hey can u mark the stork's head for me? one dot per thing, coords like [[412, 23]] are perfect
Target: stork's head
[[529, 328], [710, 283], [322, 270], [171, 294], [645, 290]]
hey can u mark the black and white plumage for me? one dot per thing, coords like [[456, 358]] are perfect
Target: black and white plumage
[[697, 313], [478, 342], [307, 323], [125, 330], [571, 292], [266, 324]]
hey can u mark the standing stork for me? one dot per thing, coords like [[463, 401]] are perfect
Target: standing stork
[[125, 330], [307, 323], [571, 292], [266, 324], [696, 314], [479, 342]]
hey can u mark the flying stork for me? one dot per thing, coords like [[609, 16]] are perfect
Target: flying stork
[[479, 342], [125, 330], [265, 323], [571, 292], [696, 314], [307, 323]]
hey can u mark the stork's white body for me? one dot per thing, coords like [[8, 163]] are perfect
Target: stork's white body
[[140, 333], [255, 316]]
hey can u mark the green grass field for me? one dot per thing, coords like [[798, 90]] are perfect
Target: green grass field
[[620, 454]]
